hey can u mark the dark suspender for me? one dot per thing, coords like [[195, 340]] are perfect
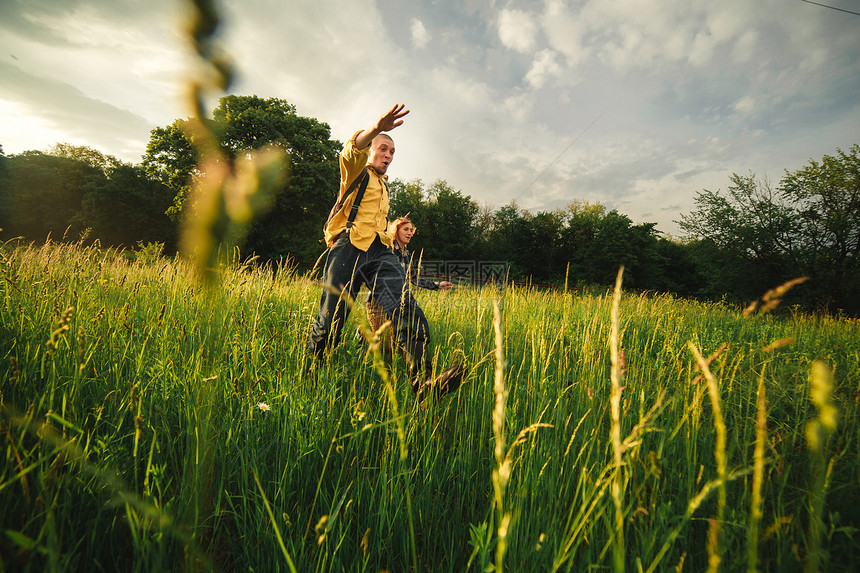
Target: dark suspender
[[361, 180], [358, 197]]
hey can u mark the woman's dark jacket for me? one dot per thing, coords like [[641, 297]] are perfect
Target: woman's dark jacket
[[410, 267]]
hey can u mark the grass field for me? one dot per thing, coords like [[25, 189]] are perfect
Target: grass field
[[154, 424]]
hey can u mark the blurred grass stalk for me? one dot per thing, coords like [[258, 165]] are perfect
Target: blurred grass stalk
[[615, 405], [227, 192], [817, 433], [502, 471], [714, 548], [758, 475]]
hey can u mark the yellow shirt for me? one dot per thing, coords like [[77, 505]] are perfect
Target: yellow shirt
[[372, 217]]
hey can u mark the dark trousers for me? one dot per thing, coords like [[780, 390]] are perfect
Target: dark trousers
[[346, 269]]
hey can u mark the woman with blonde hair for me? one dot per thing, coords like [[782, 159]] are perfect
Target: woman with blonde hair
[[401, 231]]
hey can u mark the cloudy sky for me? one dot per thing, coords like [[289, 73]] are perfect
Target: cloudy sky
[[636, 104]]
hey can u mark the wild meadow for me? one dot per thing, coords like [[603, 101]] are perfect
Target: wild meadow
[[151, 422]]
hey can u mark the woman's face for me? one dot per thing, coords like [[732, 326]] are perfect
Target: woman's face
[[404, 234]]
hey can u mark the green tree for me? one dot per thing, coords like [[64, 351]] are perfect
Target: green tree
[[443, 216], [826, 197], [617, 242], [677, 270], [447, 223], [124, 206], [501, 237], [745, 241], [43, 195], [538, 251], [171, 159], [407, 198], [293, 226], [533, 244], [583, 221], [483, 226], [127, 207], [74, 190], [90, 156]]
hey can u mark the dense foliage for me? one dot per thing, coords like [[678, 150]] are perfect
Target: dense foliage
[[73, 191], [753, 236], [242, 123], [738, 243]]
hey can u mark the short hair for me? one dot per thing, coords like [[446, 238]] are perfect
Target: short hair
[[385, 135]]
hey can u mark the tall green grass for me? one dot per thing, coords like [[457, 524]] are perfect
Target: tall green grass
[[151, 423]]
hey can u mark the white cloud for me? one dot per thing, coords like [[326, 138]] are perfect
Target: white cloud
[[543, 67], [133, 61], [47, 105], [726, 21], [420, 36], [702, 49], [565, 31], [745, 46], [318, 58], [651, 34], [519, 106], [745, 105], [676, 45], [517, 30], [690, 87]]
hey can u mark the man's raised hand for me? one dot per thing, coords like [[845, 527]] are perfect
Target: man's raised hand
[[392, 118]]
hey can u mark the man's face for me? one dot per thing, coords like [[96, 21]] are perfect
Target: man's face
[[381, 153]]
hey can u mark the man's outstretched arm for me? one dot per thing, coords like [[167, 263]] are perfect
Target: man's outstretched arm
[[388, 121]]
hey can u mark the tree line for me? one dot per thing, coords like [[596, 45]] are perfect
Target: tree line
[[738, 243]]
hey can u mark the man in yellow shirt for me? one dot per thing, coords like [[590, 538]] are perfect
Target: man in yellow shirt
[[361, 253]]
